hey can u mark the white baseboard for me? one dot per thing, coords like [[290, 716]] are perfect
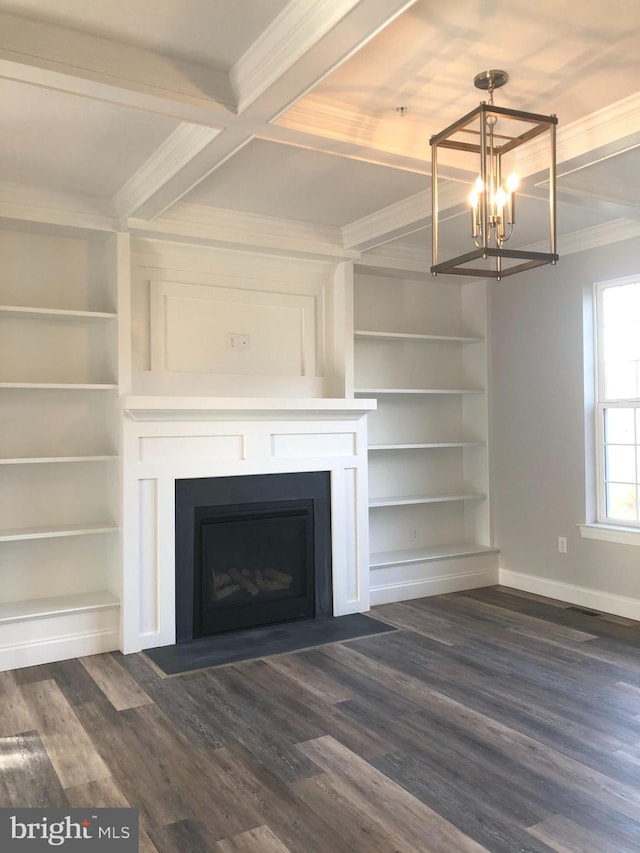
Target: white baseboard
[[406, 590], [595, 599], [54, 649]]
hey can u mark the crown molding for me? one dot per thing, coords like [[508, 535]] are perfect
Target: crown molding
[[389, 222], [403, 259], [611, 125], [603, 133], [176, 151], [28, 43], [296, 29], [200, 224], [26, 203], [592, 237], [401, 218]]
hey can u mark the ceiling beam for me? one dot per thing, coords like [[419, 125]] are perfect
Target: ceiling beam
[[62, 58], [292, 75]]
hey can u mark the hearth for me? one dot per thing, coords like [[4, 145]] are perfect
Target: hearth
[[251, 551]]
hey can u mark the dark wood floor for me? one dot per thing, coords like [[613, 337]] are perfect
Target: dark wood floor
[[492, 720]]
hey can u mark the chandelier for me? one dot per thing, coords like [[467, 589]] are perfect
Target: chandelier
[[490, 142]]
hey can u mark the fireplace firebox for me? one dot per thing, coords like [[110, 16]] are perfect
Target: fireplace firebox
[[251, 551]]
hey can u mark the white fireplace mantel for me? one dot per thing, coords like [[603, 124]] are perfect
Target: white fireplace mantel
[[148, 408], [170, 438]]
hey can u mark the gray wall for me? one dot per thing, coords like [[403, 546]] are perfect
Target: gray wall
[[537, 423]]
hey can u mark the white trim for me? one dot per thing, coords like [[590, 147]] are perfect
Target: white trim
[[178, 149], [60, 51], [595, 599], [296, 29], [198, 223], [28, 203], [51, 650], [407, 590], [594, 236], [610, 533]]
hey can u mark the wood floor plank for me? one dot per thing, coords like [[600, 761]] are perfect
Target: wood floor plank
[[116, 684], [103, 794], [494, 614], [184, 836], [29, 779], [325, 796], [74, 682], [381, 799], [140, 773], [255, 727], [324, 717], [310, 678], [69, 747], [184, 701], [449, 757], [106, 794], [498, 822], [403, 615], [15, 716], [555, 765], [565, 836], [295, 824], [258, 840]]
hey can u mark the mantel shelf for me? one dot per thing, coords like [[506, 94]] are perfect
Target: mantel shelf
[[362, 334], [142, 408]]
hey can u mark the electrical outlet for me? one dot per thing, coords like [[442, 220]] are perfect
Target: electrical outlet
[[562, 544], [413, 534], [237, 341]]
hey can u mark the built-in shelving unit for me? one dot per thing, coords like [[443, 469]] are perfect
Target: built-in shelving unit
[[419, 348], [59, 445]]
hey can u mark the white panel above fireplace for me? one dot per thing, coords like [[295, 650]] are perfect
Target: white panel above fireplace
[[220, 330]]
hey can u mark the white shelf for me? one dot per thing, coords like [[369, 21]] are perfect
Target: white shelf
[[58, 386], [361, 334], [409, 500], [436, 445], [423, 555], [43, 460], [25, 313], [55, 532], [407, 391], [39, 608]]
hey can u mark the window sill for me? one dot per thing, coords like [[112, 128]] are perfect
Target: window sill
[[610, 533]]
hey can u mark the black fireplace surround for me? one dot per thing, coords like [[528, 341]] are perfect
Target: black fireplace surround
[[252, 550]]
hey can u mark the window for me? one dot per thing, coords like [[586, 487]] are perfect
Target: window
[[618, 401]]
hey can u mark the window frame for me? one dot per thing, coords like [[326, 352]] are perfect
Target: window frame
[[602, 403]]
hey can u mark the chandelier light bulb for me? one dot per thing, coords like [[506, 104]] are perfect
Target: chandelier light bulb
[[478, 185], [513, 182], [500, 198]]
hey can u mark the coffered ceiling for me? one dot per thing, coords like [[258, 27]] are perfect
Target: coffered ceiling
[[202, 118]]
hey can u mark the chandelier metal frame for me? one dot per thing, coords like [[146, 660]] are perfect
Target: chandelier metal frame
[[476, 134]]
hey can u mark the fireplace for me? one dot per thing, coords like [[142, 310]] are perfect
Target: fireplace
[[251, 551]]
